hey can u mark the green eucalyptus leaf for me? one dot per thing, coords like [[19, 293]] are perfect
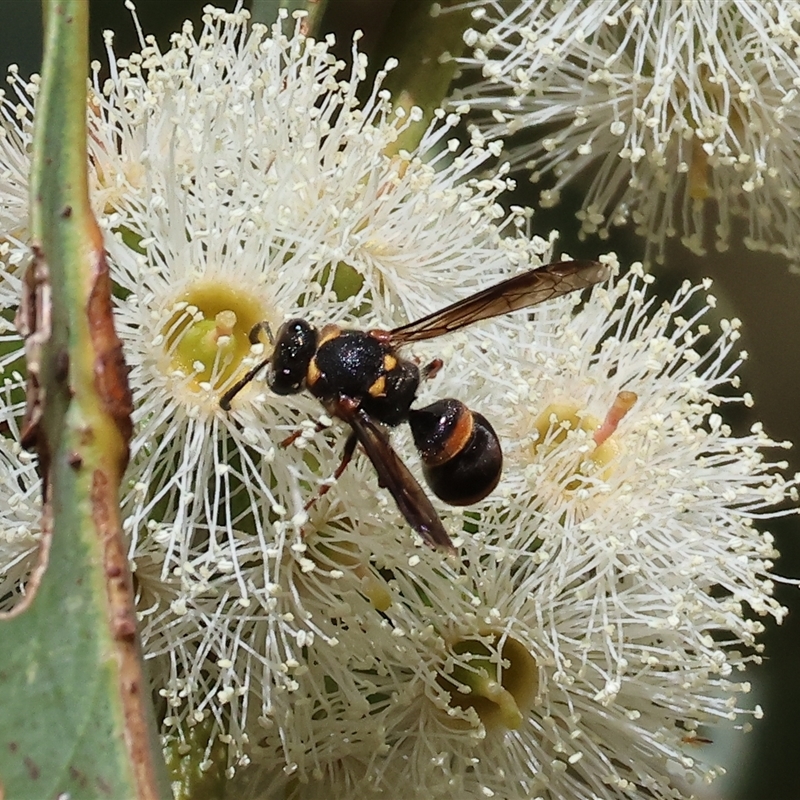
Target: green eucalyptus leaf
[[75, 716]]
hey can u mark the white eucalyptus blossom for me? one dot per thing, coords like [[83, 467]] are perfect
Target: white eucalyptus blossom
[[16, 134], [671, 109], [239, 180], [607, 599], [20, 491], [598, 608], [275, 123]]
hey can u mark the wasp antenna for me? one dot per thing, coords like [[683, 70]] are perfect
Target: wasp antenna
[[255, 338], [227, 398], [255, 332]]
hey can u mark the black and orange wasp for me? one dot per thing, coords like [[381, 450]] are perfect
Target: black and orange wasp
[[360, 379]]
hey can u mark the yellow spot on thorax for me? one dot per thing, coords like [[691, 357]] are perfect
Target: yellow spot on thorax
[[378, 388], [313, 372], [328, 332]]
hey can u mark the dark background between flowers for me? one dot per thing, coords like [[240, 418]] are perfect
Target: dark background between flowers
[[755, 287]]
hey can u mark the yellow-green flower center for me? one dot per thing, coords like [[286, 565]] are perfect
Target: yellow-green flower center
[[555, 423], [207, 336], [196, 759], [344, 555], [498, 681]]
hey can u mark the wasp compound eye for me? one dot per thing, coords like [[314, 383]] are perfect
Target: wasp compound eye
[[295, 346]]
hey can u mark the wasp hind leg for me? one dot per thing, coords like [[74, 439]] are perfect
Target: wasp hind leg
[[431, 370], [293, 437]]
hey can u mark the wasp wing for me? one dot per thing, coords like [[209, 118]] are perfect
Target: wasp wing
[[395, 476], [521, 291]]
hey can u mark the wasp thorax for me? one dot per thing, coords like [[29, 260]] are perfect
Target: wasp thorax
[[461, 455], [399, 387], [295, 346], [347, 362]]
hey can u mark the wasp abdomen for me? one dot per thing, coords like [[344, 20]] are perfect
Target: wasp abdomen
[[461, 455]]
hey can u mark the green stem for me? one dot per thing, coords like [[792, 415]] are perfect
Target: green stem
[[266, 12], [75, 705], [426, 45]]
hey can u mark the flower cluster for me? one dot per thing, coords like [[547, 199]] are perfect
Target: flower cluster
[[600, 603], [670, 107], [616, 564]]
